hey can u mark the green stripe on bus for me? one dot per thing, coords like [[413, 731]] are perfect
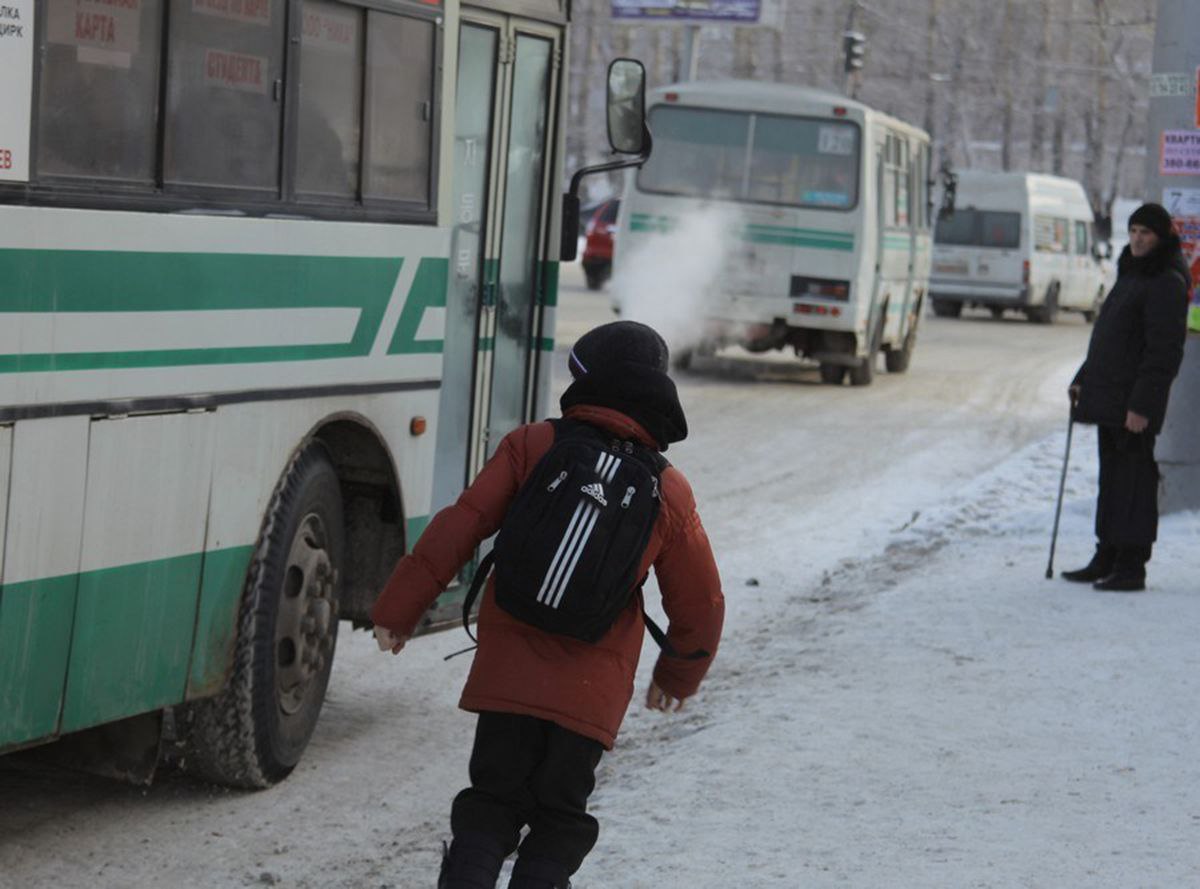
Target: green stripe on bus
[[106, 644], [35, 632], [758, 233], [132, 640], [61, 281], [221, 588], [798, 241], [546, 344], [550, 273], [414, 527], [428, 291]]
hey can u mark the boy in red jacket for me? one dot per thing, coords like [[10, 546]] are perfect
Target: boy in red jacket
[[549, 705]]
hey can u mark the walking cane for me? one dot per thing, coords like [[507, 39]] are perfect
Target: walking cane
[[1061, 484]]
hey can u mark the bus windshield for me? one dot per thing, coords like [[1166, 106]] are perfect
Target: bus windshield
[[757, 158], [979, 228]]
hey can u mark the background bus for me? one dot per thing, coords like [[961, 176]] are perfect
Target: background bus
[[829, 245], [275, 279]]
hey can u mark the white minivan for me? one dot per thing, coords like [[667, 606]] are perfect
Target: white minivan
[[1020, 241]]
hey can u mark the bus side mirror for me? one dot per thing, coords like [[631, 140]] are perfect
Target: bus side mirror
[[627, 134], [949, 191], [626, 106]]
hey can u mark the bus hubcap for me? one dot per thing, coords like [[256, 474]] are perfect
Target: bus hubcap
[[307, 615]]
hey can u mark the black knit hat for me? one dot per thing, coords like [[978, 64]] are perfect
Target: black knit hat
[[623, 365], [1154, 217]]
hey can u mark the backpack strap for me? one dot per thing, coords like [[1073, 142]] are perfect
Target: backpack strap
[[481, 573]]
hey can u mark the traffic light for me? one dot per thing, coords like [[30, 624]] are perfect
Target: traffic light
[[855, 45]]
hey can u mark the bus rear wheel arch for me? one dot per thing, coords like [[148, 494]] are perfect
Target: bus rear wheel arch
[[253, 732]]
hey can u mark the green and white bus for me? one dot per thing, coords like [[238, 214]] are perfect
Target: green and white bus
[[826, 212], [275, 278]]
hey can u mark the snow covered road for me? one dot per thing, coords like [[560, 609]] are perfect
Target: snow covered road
[[901, 699]]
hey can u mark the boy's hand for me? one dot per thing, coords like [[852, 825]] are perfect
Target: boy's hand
[[657, 699], [389, 641]]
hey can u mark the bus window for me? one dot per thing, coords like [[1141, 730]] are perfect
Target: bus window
[[1050, 234], [223, 115], [815, 160], [999, 229], [794, 161], [698, 152], [902, 178], [98, 94], [1081, 238], [400, 55], [980, 228], [330, 113]]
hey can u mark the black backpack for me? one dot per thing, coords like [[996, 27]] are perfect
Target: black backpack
[[568, 551]]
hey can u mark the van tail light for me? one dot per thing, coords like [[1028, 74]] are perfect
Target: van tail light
[[1025, 272]]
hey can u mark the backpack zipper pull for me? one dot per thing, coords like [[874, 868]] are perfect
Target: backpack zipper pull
[[629, 492], [558, 481], [654, 491]]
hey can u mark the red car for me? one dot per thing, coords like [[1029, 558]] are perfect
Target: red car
[[598, 249]]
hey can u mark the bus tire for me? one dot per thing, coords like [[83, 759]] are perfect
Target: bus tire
[[1047, 311], [896, 360], [833, 374], [252, 734], [864, 372], [947, 308]]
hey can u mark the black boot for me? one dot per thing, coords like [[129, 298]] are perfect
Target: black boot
[[472, 862], [539, 873], [1129, 571], [1098, 568]]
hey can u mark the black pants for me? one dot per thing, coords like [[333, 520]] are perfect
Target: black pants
[[527, 771], [1127, 506]]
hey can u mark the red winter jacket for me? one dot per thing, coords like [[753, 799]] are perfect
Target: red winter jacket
[[584, 687]]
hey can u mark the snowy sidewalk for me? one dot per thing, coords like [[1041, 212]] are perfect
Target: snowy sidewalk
[[939, 715]]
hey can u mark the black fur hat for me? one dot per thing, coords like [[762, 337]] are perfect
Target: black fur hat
[[623, 365], [1154, 217]]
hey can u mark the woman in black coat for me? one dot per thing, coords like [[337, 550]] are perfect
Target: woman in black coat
[[1122, 387]]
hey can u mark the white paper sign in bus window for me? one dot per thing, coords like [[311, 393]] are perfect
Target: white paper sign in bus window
[[104, 32], [16, 95], [329, 29], [235, 71], [838, 139], [256, 11]]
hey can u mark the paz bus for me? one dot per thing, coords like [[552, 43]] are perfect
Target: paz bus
[[275, 278], [829, 248]]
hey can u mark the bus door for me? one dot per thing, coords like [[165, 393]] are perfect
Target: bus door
[[503, 143]]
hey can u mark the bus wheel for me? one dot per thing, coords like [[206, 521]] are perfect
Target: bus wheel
[[253, 732], [896, 360], [1048, 311], [833, 374], [864, 372]]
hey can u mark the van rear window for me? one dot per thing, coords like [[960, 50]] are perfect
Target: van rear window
[[979, 228]]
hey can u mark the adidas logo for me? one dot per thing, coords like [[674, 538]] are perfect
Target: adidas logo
[[596, 491]]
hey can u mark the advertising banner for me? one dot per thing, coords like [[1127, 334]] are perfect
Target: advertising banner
[[740, 11]]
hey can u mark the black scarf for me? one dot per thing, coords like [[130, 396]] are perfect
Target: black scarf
[[644, 394], [1167, 254]]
